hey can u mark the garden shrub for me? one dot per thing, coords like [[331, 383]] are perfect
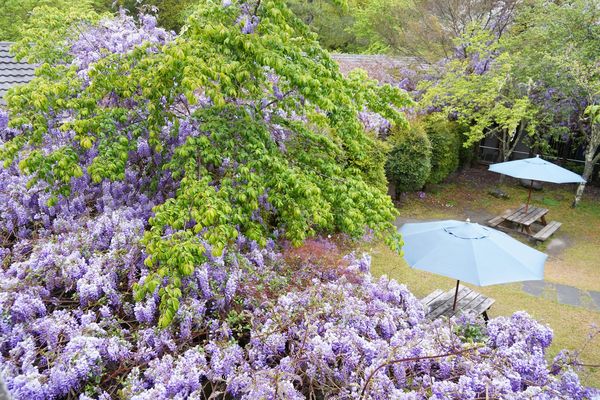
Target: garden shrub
[[445, 138], [409, 162]]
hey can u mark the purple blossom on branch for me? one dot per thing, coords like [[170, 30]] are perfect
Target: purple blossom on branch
[[252, 324]]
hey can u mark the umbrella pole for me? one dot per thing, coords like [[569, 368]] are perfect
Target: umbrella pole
[[529, 197], [455, 296]]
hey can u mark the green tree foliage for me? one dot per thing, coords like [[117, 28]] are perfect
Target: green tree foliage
[[46, 35], [559, 44], [400, 27], [276, 121], [426, 29], [409, 162], [484, 93], [445, 138], [15, 14], [331, 21], [171, 14]]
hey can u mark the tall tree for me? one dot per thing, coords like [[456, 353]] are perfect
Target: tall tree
[[15, 14], [481, 90], [244, 111], [426, 28], [558, 44], [331, 21]]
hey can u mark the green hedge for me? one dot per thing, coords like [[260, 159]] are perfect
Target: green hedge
[[446, 143], [409, 162]]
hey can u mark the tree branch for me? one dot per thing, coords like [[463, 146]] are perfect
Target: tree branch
[[386, 364]]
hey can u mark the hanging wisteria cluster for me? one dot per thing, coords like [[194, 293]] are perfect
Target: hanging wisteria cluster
[[82, 298], [256, 324], [115, 36]]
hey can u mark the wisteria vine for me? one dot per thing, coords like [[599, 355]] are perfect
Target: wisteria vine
[[83, 283]]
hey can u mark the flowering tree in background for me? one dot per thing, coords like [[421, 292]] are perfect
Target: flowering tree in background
[[152, 190], [558, 46], [536, 81], [479, 89]]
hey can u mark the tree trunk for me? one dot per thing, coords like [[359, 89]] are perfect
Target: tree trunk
[[504, 153], [588, 168], [587, 172]]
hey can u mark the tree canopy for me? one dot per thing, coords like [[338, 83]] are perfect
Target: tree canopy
[[536, 81], [558, 47], [253, 121]]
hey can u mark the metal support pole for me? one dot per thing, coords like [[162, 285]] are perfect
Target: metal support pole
[[455, 296]]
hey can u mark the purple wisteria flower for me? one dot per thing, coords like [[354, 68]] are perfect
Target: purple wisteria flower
[[374, 122], [115, 36], [252, 324]]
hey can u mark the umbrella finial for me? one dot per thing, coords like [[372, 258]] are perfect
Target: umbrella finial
[[469, 220], [537, 156]]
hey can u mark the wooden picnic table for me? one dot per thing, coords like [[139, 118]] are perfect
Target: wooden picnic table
[[439, 303], [524, 217]]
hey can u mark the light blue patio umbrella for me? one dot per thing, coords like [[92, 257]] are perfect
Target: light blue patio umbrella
[[469, 252], [536, 169]]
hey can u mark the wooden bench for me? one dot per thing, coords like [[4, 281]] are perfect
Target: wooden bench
[[494, 222], [547, 231], [439, 303]]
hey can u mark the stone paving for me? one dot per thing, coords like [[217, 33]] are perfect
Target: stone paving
[[535, 288], [564, 294], [595, 296]]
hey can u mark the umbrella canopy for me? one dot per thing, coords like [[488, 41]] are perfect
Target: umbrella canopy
[[536, 169], [470, 252]]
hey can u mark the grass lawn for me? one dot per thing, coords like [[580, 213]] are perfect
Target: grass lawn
[[574, 254]]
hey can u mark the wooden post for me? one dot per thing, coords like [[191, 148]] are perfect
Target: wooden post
[[455, 296]]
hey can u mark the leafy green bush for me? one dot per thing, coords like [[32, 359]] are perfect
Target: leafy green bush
[[409, 162], [445, 138], [471, 333]]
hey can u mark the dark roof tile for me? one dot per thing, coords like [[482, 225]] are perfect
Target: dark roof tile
[[12, 72], [385, 69]]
